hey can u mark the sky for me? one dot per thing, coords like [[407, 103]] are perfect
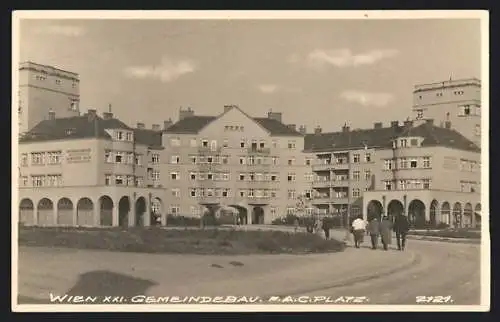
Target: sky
[[316, 72]]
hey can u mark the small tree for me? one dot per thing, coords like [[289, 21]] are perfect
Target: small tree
[[303, 203]]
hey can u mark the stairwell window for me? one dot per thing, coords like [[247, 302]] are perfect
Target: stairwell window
[[368, 157], [368, 174], [356, 175], [155, 158], [426, 183], [356, 193], [387, 164], [427, 162]]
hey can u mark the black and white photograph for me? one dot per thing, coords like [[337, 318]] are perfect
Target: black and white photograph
[[250, 161]]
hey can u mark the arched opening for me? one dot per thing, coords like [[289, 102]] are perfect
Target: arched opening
[[457, 215], [26, 212], [374, 210], [227, 215], [45, 212], [258, 215], [65, 212], [477, 215], [156, 211], [446, 213], [85, 212], [106, 211], [467, 222], [394, 208], [140, 209], [416, 213], [123, 210], [242, 214], [433, 209]]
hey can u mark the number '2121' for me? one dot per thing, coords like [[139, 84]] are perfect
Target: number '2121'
[[434, 299]]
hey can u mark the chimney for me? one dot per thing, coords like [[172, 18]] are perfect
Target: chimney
[[408, 124], [345, 128], [141, 125], [228, 107], [156, 127], [185, 113], [107, 115], [447, 124], [377, 125], [394, 124], [302, 129], [274, 116], [318, 130], [430, 121], [52, 115], [292, 127], [91, 114], [167, 124]]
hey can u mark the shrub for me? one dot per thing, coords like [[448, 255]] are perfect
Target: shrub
[[442, 225], [182, 221]]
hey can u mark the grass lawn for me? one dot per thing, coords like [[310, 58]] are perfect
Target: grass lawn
[[449, 233], [190, 241]]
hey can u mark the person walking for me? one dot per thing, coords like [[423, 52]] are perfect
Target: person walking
[[401, 228], [358, 227], [326, 227], [386, 232], [373, 228]]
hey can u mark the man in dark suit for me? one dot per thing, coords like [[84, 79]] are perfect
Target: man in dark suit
[[401, 228]]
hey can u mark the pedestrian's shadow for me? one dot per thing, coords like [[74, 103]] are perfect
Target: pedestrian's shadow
[[107, 283]]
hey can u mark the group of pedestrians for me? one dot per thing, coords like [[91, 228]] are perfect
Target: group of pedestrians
[[382, 229]]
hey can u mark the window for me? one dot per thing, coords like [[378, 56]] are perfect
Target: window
[[210, 176], [242, 143], [274, 143], [291, 145], [129, 136], [118, 157], [426, 183], [308, 161], [413, 142], [291, 194], [138, 160], [37, 158], [119, 135], [368, 175], [403, 163], [107, 179], [193, 159], [355, 175], [176, 192], [155, 158], [290, 161], [242, 160], [130, 180], [192, 192], [477, 130], [251, 193], [308, 194], [174, 176], [175, 142], [251, 160], [24, 181], [119, 179], [427, 162], [403, 143], [37, 181], [242, 193], [291, 177], [54, 180], [275, 160], [355, 158], [24, 160], [274, 211], [402, 184], [388, 185], [58, 81], [387, 164], [225, 143], [368, 157], [54, 157], [175, 210], [439, 94], [356, 193], [420, 113], [413, 163], [308, 177], [130, 158], [466, 110], [108, 157], [225, 192], [155, 175], [274, 177], [192, 176], [242, 177], [174, 159], [262, 144], [139, 181]]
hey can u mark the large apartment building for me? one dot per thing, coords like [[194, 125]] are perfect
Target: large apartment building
[[456, 101], [251, 164], [89, 171], [44, 89], [428, 172]]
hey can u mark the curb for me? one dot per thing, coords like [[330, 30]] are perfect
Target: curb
[[415, 259], [445, 239]]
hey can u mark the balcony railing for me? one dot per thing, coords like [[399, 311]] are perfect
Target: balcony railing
[[330, 166], [330, 183], [207, 150], [259, 151]]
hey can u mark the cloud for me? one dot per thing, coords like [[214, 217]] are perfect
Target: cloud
[[61, 30], [366, 98], [345, 58], [268, 88], [167, 71]]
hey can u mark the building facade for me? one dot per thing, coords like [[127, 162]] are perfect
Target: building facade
[[417, 168], [89, 171], [45, 88], [455, 103], [253, 166]]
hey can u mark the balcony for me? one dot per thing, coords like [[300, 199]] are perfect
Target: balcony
[[321, 167], [321, 200], [258, 151], [340, 183], [262, 200], [212, 200], [206, 150], [330, 183]]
